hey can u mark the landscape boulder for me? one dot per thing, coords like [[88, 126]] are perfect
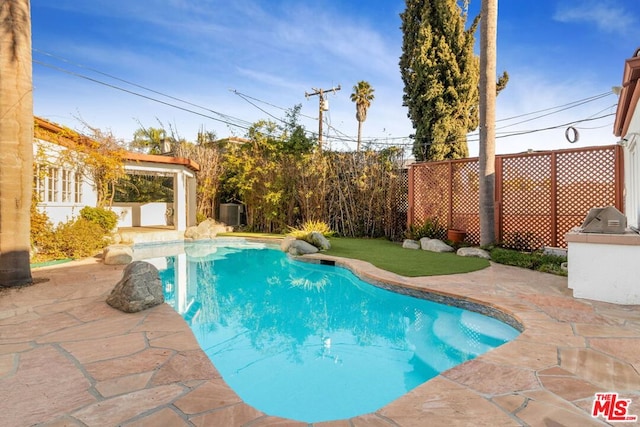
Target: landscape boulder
[[473, 252], [410, 244], [286, 243], [207, 229], [117, 255], [423, 243], [140, 288], [300, 247], [319, 241], [435, 245]]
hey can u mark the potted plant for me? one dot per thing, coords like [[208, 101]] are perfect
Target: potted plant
[[455, 235]]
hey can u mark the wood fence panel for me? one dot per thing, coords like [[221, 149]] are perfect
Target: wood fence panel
[[539, 197]]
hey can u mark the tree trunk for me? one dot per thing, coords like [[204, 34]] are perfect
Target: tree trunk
[[488, 35], [16, 142], [359, 133]]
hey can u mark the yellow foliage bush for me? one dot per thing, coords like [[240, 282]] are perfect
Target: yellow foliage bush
[[305, 230]]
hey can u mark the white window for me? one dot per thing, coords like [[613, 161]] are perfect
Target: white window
[[52, 185], [77, 188], [66, 186]]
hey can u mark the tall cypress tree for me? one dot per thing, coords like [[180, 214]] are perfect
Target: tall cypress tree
[[440, 74]]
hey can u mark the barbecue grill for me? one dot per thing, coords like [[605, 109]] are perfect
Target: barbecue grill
[[606, 220]]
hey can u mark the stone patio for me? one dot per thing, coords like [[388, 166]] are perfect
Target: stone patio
[[68, 359]]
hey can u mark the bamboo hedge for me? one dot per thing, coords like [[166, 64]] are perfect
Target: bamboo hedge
[[284, 182]]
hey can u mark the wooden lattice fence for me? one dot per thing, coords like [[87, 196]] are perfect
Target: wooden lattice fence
[[539, 196]]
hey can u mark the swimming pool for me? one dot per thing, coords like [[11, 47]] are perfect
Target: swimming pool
[[313, 342]]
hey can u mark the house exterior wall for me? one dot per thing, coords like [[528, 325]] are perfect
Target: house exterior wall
[[604, 267], [632, 170], [62, 189]]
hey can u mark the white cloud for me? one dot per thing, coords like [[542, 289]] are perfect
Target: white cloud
[[607, 16], [339, 41], [270, 79]]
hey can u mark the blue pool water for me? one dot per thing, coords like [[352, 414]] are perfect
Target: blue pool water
[[313, 342]]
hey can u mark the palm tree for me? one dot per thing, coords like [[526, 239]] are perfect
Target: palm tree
[[362, 95], [150, 140], [487, 155], [16, 142]]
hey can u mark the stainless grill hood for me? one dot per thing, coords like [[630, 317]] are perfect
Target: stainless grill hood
[[607, 220]]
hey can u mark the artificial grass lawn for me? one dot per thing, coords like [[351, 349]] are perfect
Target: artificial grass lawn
[[393, 257]]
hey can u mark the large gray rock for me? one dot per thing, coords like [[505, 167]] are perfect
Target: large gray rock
[[117, 255], [473, 252], [207, 229], [435, 245], [423, 243], [300, 247], [286, 243], [547, 250], [319, 241], [140, 288], [410, 244]]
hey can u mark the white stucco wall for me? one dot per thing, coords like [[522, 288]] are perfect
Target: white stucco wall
[[142, 214], [47, 154], [632, 170], [604, 267], [182, 210], [183, 205]]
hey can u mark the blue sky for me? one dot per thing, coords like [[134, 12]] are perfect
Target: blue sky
[[203, 54]]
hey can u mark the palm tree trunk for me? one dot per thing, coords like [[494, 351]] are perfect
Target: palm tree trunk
[[488, 35], [359, 134], [16, 142]]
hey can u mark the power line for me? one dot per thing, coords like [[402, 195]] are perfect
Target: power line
[[243, 124], [556, 127], [111, 76], [137, 94], [244, 95], [559, 108], [569, 105], [263, 110], [573, 105]]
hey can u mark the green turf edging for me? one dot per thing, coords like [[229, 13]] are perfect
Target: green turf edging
[[393, 257], [48, 263]]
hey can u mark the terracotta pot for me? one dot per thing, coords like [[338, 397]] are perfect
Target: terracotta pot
[[456, 236]]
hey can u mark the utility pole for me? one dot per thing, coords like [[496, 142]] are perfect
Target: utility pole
[[323, 106]]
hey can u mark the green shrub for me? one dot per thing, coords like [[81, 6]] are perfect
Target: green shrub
[[430, 229], [105, 218], [76, 239], [531, 260], [41, 227], [522, 241]]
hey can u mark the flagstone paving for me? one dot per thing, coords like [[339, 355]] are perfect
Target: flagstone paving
[[68, 359]]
